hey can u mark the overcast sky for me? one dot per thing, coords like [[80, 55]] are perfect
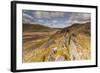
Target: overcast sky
[[54, 19]]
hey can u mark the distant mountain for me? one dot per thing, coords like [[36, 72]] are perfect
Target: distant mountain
[[76, 27], [35, 27]]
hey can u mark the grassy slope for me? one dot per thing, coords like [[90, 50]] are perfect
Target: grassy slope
[[72, 43]]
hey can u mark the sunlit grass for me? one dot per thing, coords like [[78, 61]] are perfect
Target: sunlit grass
[[72, 45]]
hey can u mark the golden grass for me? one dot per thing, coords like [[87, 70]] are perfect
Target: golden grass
[[69, 46]]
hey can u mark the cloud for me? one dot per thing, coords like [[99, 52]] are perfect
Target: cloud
[[25, 15], [47, 14], [27, 18], [80, 17]]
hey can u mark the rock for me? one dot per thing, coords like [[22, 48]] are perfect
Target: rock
[[60, 58]]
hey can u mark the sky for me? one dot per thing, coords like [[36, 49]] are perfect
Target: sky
[[54, 19]]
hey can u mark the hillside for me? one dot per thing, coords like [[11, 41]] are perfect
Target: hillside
[[36, 28], [67, 44]]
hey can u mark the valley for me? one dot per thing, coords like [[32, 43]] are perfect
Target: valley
[[44, 44]]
